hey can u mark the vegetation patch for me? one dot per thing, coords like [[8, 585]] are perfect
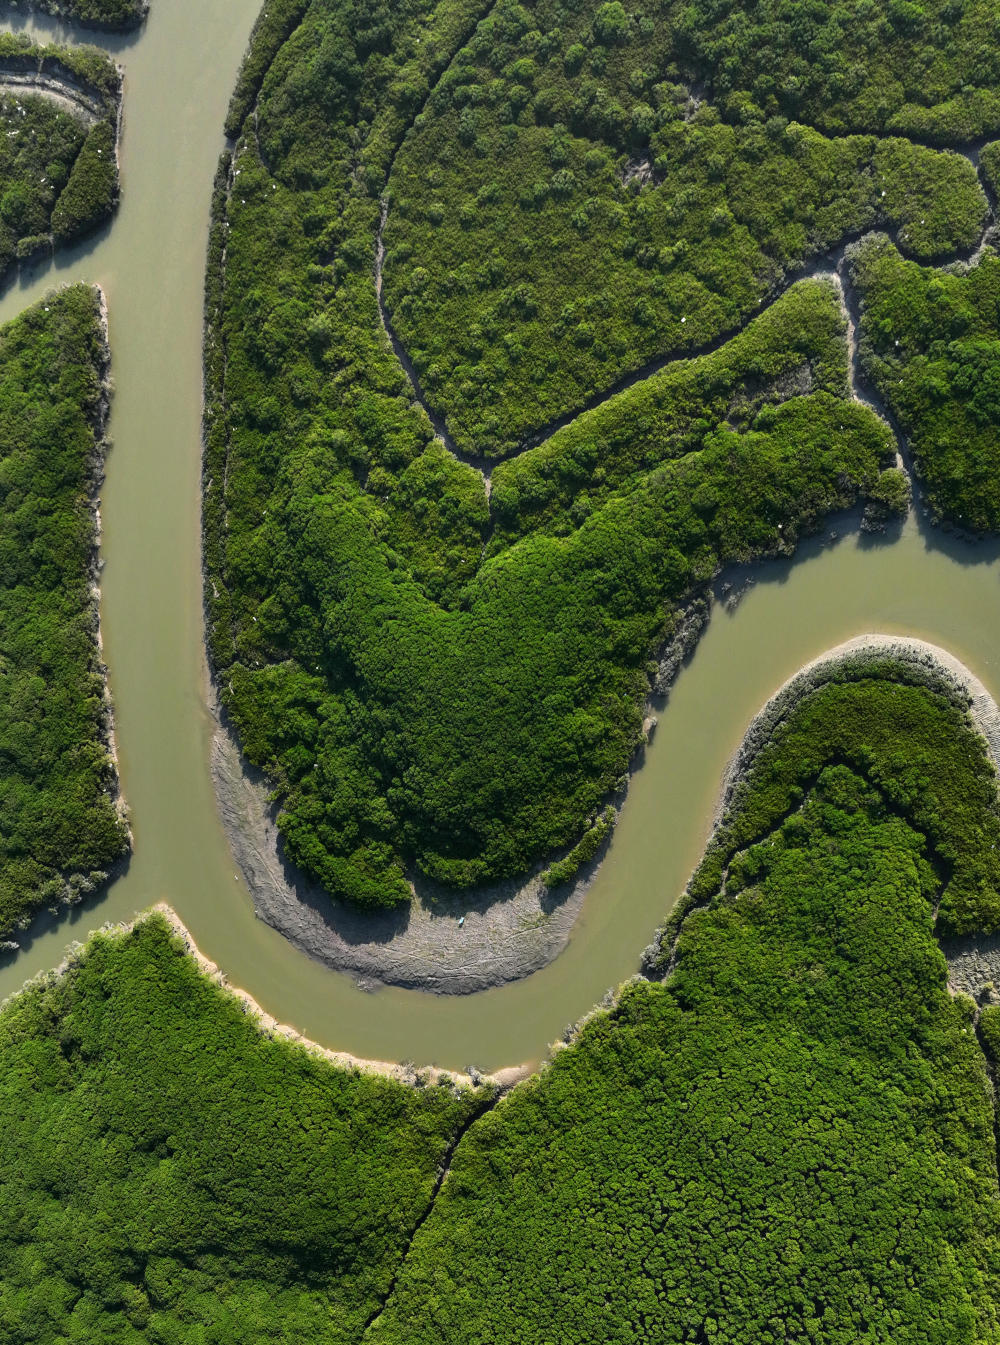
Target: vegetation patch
[[791, 1137], [565, 211], [433, 674], [930, 343], [59, 114], [170, 1174], [61, 827]]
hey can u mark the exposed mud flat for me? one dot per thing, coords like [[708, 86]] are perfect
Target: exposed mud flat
[[445, 941]]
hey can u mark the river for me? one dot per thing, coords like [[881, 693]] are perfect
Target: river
[[179, 73]]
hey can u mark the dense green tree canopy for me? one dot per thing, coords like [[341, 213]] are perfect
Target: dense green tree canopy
[[931, 345], [116, 15], [113, 14], [60, 829], [168, 1174], [568, 207], [789, 1138], [445, 534], [58, 169]]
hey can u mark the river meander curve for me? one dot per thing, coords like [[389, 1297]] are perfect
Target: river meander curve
[[150, 261]]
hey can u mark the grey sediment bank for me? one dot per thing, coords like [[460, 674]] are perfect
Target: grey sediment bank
[[443, 941], [446, 941], [974, 960]]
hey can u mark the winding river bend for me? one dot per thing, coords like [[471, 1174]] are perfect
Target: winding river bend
[[179, 72]]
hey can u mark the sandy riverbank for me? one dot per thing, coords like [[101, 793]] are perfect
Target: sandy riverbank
[[973, 961], [406, 1073]]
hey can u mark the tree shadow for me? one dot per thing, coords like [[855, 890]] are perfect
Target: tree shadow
[[53, 259], [41, 27], [66, 915], [353, 924]]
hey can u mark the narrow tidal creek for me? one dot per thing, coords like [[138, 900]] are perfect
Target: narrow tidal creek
[[150, 260]]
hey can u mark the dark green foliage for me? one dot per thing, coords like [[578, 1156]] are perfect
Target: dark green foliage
[[274, 23], [116, 15], [583, 852], [791, 1139], [773, 374], [39, 145], [169, 1174], [554, 223], [930, 70], [889, 497], [989, 1032], [931, 345], [427, 680], [58, 819], [58, 169], [91, 193], [943, 783], [477, 736], [989, 164]]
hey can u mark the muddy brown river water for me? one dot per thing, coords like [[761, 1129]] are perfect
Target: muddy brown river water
[[150, 261]]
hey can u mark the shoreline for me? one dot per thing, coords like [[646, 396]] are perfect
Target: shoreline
[[71, 97], [102, 447], [508, 930], [413, 1076], [447, 941], [974, 960], [973, 963]]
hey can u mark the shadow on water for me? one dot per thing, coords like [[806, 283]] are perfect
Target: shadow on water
[[962, 547], [64, 917], [29, 274], [732, 584], [844, 529], [41, 27]]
